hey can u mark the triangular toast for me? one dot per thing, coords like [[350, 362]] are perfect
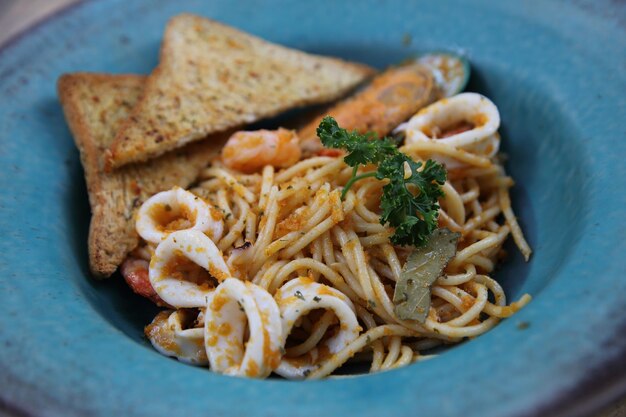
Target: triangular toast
[[212, 77]]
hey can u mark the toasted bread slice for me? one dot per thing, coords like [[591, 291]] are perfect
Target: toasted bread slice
[[94, 106], [212, 77]]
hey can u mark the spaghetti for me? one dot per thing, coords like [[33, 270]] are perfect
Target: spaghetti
[[297, 281]]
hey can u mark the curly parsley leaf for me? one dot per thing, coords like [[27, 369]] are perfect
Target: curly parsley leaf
[[409, 202], [362, 149]]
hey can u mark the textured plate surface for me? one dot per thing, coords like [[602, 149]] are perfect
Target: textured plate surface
[[73, 346]]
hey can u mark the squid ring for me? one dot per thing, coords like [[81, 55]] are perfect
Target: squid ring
[[158, 215], [482, 139], [466, 107], [168, 337], [182, 245], [232, 308], [296, 299]]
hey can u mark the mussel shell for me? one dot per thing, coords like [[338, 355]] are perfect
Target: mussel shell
[[451, 71]]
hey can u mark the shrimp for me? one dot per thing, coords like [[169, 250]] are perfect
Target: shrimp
[[135, 272], [391, 98], [250, 151]]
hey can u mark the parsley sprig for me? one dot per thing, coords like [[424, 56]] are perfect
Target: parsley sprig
[[410, 205]]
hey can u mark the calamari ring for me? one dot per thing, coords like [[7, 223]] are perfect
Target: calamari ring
[[473, 108], [167, 335], [192, 245], [232, 308], [158, 213], [296, 299]]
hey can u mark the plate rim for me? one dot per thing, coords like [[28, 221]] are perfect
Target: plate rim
[[567, 403]]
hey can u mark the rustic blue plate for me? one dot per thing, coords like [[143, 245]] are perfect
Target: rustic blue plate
[[556, 69]]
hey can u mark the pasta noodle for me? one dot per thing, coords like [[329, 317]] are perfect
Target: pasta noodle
[[293, 279]]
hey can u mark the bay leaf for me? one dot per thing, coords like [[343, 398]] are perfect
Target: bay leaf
[[423, 266]]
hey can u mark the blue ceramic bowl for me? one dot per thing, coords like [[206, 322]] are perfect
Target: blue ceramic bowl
[[74, 346]]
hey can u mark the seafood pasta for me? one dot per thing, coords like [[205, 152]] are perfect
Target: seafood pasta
[[279, 263]]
